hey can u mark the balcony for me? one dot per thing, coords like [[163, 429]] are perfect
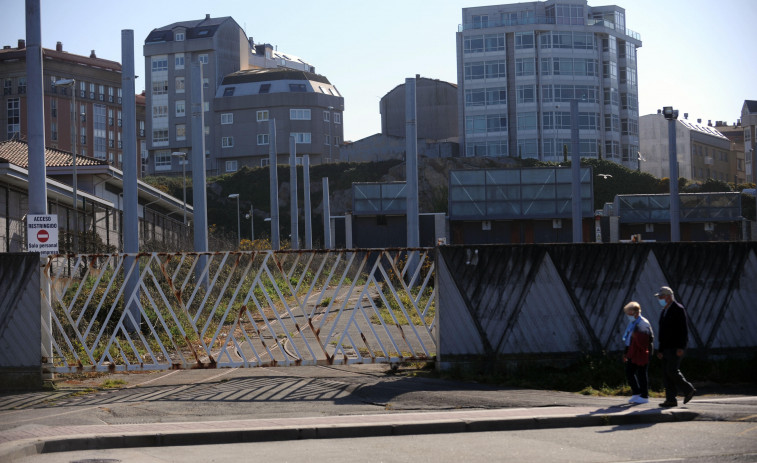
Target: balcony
[[544, 20]]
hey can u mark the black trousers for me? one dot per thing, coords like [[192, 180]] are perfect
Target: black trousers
[[637, 377], [672, 377]]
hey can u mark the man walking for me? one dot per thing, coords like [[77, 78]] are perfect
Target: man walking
[[673, 337]]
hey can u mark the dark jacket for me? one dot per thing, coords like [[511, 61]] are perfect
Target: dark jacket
[[674, 327]]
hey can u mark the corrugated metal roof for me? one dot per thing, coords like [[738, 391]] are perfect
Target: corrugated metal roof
[[17, 152]]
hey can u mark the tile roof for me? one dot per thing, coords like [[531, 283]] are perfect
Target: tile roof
[[17, 152], [20, 54]]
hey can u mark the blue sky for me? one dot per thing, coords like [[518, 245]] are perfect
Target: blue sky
[[697, 55]]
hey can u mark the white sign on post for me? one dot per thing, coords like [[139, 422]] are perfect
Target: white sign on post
[[42, 234]]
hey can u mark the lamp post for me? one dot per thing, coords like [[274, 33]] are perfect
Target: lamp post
[[74, 122], [331, 138], [671, 115], [252, 223], [239, 232], [183, 156]]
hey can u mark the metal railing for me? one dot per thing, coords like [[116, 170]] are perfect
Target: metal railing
[[159, 311]]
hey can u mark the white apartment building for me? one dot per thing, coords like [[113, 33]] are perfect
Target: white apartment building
[[519, 67]]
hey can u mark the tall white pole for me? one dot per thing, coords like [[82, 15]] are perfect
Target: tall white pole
[[295, 238], [131, 213], [575, 166], [411, 164], [327, 243], [199, 193], [675, 230], [306, 193], [274, 185]]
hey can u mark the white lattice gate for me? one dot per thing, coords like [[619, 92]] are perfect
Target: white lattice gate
[[127, 312]]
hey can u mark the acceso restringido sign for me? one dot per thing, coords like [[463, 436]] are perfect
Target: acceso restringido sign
[[42, 234]]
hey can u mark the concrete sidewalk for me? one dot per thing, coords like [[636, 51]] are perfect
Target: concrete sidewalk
[[214, 407]]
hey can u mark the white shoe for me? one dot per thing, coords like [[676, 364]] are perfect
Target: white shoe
[[641, 400], [633, 398]]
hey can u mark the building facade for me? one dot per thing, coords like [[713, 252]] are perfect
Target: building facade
[[222, 48], [94, 86], [749, 122], [703, 152], [436, 110], [519, 67], [302, 104]]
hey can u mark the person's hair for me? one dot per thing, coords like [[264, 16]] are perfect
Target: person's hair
[[632, 308]]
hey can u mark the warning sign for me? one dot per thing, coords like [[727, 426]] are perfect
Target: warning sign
[[42, 234]]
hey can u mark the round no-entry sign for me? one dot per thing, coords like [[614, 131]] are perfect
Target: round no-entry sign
[[43, 236]]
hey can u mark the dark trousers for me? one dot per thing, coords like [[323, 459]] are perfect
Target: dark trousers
[[637, 378], [672, 377]]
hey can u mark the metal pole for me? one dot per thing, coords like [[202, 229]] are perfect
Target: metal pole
[[184, 184], [327, 244], [411, 164], [252, 223], [675, 231], [306, 193], [239, 225], [35, 110], [274, 185], [331, 138], [131, 213], [293, 214], [199, 194], [575, 165]]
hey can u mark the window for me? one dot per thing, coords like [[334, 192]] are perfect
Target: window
[[524, 67], [475, 97], [53, 107], [228, 91], [180, 108], [262, 139], [54, 131], [263, 162], [301, 137], [181, 131], [206, 106], [527, 121], [21, 85], [297, 88], [231, 166], [495, 69], [473, 71], [179, 87], [337, 118], [8, 87], [179, 36], [299, 114], [473, 44], [203, 58], [480, 21], [524, 40], [496, 96], [526, 93], [326, 138], [162, 160], [494, 42], [159, 87], [159, 63], [205, 82], [264, 88], [159, 111], [110, 94], [227, 118], [99, 125], [262, 116], [326, 116], [160, 136], [227, 142], [178, 60], [496, 123]]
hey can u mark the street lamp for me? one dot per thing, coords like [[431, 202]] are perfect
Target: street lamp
[[671, 115], [252, 223], [180, 154], [239, 229], [74, 122], [331, 138]]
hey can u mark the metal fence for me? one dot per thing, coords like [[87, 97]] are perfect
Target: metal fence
[[158, 311]]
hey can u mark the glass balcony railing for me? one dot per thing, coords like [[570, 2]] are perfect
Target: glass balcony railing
[[545, 20]]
